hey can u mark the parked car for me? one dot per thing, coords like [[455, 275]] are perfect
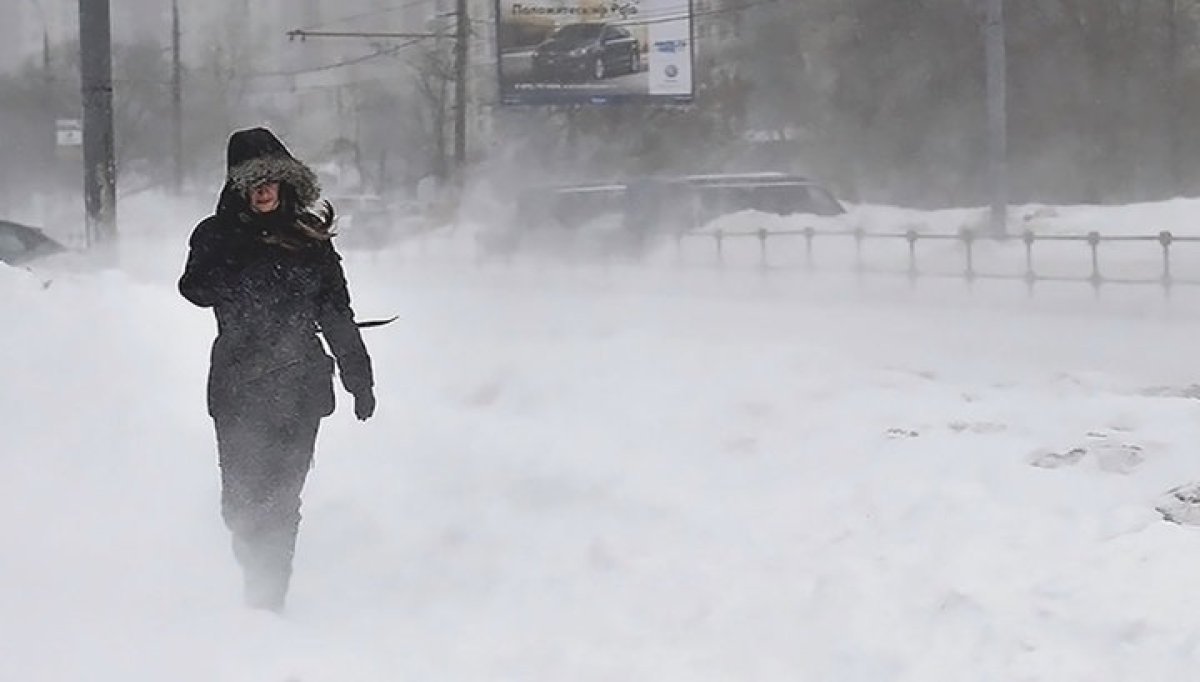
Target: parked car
[[674, 204], [630, 214], [20, 244], [587, 50], [778, 193]]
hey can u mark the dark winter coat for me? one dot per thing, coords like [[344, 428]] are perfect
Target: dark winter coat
[[270, 296]]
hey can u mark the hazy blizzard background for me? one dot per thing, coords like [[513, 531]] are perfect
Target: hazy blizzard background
[[883, 102], [597, 469]]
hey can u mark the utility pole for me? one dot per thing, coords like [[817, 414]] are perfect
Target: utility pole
[[177, 97], [997, 95], [99, 163], [461, 53]]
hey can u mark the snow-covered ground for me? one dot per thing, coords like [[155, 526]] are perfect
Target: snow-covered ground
[[618, 473]]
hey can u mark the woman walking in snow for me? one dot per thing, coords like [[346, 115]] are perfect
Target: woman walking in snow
[[265, 264]]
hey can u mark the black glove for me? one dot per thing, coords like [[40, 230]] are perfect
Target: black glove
[[364, 404]]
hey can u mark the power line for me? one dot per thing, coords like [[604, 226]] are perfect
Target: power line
[[332, 86], [373, 13], [387, 10], [302, 34], [661, 18], [414, 38], [417, 37], [384, 52], [663, 15], [668, 15], [681, 13]]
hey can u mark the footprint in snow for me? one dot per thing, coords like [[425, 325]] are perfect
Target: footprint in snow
[[1112, 456], [981, 428], [1181, 505]]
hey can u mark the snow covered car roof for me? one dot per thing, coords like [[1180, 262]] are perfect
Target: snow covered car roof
[[22, 243]]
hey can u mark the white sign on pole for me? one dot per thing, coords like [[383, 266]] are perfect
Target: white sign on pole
[[69, 132]]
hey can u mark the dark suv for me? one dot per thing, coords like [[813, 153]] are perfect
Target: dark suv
[[673, 204], [590, 50]]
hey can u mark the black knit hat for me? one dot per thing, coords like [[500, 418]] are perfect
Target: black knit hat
[[256, 157]]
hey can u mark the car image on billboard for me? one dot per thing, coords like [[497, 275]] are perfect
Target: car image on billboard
[[594, 51]]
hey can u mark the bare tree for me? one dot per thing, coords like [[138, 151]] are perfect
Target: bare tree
[[433, 80]]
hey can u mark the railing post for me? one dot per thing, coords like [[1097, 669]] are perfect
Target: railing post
[[809, 234], [912, 237], [720, 237], [1093, 239], [858, 250], [1030, 275], [678, 248], [968, 238], [762, 248], [1165, 238]]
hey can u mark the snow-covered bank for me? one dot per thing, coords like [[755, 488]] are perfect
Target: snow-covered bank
[[1179, 216]]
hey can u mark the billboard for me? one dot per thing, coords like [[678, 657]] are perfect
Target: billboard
[[594, 51]]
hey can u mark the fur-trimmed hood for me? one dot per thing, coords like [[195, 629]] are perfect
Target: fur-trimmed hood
[[255, 157], [282, 169]]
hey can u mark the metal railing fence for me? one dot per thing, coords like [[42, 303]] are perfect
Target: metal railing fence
[[1093, 241]]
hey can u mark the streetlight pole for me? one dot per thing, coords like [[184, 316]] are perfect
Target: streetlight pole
[[997, 94], [37, 5], [47, 99]]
